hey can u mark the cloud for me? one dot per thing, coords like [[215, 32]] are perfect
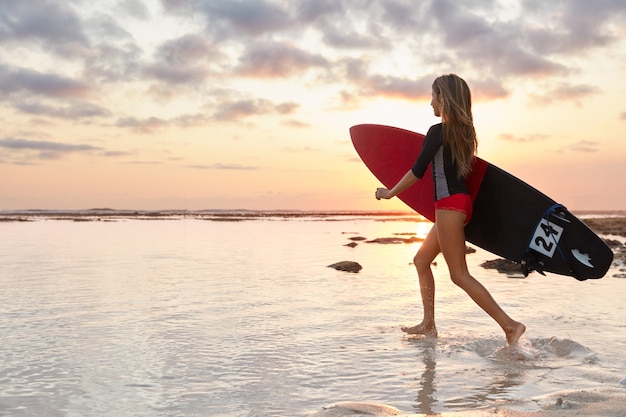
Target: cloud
[[28, 152], [117, 154], [46, 149], [144, 162], [50, 22], [273, 60], [105, 28], [354, 51], [399, 87], [224, 167], [537, 137], [585, 146], [27, 81], [176, 74], [286, 107], [94, 40], [147, 125], [574, 93], [114, 63], [188, 49], [134, 8], [495, 48], [369, 84], [235, 110], [571, 27], [297, 124], [308, 11], [177, 6], [225, 111], [47, 94], [487, 89], [407, 16], [301, 149], [460, 25], [72, 111], [184, 60], [191, 120], [248, 17], [347, 29], [20, 144], [341, 37], [245, 19]]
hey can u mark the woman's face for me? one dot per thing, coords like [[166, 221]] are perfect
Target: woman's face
[[436, 104]]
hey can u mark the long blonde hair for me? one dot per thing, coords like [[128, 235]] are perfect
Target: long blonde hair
[[455, 98]]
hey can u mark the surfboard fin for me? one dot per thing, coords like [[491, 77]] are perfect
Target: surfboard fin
[[529, 264]]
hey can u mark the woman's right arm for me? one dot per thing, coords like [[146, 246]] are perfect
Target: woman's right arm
[[405, 182], [432, 142]]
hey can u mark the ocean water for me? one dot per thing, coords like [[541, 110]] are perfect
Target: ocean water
[[208, 316]]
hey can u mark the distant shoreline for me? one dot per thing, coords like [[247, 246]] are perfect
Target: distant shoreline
[[95, 214], [608, 222], [246, 212]]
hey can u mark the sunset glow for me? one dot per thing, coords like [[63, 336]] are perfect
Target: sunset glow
[[202, 104]]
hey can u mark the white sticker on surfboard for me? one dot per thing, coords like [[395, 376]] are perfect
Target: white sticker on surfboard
[[546, 238]]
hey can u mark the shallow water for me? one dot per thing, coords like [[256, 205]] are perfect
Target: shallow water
[[192, 317]]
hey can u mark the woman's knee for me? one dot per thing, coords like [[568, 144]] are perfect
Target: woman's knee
[[457, 279], [422, 261], [460, 278]]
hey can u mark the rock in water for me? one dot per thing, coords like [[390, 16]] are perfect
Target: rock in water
[[367, 408], [504, 266], [348, 266]]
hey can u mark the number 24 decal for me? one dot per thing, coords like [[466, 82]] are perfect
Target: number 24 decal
[[546, 238]]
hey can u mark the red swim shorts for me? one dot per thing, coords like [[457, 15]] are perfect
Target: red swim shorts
[[457, 202]]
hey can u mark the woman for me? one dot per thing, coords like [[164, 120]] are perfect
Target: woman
[[450, 146]]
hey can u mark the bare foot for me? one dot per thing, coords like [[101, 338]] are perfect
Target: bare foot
[[514, 333], [428, 331]]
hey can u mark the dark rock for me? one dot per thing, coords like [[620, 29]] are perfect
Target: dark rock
[[347, 266], [613, 244], [357, 238], [395, 240], [504, 266], [352, 244], [387, 240], [619, 255]]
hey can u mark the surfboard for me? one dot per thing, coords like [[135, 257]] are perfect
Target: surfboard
[[511, 218]]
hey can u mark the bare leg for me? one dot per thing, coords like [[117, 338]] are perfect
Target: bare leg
[[451, 236], [422, 261]]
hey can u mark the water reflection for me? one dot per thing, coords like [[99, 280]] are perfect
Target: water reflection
[[426, 399], [439, 385]]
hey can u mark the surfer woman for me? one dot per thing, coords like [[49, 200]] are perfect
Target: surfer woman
[[450, 146]]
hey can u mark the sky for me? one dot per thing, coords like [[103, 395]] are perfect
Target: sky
[[247, 104]]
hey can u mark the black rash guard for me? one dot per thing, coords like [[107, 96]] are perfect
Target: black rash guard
[[444, 171]]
